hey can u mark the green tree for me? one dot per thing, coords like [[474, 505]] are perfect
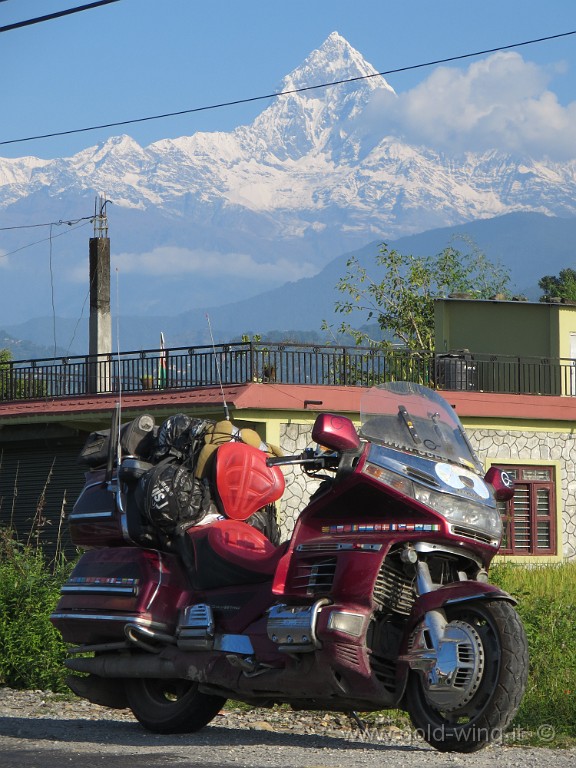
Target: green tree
[[562, 286], [5, 358], [401, 298]]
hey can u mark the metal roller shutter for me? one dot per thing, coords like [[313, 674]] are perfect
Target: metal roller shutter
[[38, 487]]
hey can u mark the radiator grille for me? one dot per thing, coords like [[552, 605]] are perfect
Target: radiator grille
[[394, 590], [315, 577], [472, 533], [318, 546]]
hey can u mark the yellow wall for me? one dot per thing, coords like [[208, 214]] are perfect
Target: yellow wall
[[566, 326]]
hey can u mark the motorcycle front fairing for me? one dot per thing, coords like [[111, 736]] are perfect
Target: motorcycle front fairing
[[420, 449], [389, 500]]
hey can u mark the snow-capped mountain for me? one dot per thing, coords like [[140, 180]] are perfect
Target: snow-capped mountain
[[207, 217]]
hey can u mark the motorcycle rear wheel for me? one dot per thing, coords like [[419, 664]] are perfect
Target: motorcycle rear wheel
[[489, 712], [171, 706]]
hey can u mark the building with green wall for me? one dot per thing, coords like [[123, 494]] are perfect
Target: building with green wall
[[509, 328]]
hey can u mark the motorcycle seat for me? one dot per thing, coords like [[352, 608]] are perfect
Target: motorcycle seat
[[244, 483], [229, 552]]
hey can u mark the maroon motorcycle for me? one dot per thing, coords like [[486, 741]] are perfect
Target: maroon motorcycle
[[379, 600]]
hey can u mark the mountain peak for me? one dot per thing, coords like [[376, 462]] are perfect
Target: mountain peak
[[311, 118], [120, 145], [334, 60]]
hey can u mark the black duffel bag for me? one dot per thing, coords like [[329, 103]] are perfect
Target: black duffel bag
[[136, 439], [171, 498]]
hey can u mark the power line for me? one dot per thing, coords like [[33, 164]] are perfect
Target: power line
[[44, 239], [70, 222], [286, 93], [74, 224], [55, 15]]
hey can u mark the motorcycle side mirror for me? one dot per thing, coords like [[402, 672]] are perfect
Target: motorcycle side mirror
[[502, 483], [335, 432]]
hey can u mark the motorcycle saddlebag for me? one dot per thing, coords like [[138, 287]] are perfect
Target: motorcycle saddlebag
[[111, 589], [96, 520]]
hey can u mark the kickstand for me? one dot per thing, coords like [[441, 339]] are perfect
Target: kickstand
[[358, 720]]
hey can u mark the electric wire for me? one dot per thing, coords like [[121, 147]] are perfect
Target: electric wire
[[289, 92], [80, 318], [55, 15], [70, 222], [44, 239], [86, 220]]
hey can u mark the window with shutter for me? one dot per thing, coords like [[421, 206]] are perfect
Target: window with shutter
[[529, 519]]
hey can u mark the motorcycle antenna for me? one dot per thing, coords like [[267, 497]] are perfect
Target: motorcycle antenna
[[118, 357], [114, 450], [226, 412]]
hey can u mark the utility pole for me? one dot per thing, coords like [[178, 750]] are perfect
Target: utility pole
[[100, 328]]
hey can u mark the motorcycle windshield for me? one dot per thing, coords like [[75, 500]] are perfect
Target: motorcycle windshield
[[412, 418]]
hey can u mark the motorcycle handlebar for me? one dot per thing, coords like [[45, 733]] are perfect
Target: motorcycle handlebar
[[321, 461]]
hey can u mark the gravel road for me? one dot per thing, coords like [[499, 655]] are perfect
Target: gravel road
[[40, 729]]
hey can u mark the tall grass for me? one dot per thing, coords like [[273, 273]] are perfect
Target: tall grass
[[31, 650], [547, 606]]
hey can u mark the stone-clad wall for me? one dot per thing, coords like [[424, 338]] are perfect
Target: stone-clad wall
[[294, 438], [537, 446], [488, 443]]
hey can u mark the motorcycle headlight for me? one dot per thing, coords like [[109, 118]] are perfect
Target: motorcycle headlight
[[455, 509], [461, 511]]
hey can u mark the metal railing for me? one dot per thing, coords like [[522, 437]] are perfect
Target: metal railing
[[238, 363]]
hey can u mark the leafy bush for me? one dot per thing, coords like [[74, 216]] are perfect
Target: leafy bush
[[32, 652]]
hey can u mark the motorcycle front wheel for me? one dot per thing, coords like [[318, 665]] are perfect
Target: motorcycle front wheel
[[171, 706], [498, 693]]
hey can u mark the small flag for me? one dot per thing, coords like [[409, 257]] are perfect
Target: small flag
[[162, 364]]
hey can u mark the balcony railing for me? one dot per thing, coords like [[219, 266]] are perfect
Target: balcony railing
[[238, 363]]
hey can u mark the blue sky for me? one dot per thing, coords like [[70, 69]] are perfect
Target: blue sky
[[136, 58]]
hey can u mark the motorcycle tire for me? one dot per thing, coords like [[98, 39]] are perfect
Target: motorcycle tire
[[485, 717], [171, 706]]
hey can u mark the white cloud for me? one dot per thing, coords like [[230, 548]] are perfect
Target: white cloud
[[172, 260], [501, 102]]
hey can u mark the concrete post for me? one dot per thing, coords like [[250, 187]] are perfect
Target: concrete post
[[100, 328]]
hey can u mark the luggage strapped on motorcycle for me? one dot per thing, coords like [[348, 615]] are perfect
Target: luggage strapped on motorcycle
[[170, 495]]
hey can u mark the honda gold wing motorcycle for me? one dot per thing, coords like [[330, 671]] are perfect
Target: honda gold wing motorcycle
[[380, 599]]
